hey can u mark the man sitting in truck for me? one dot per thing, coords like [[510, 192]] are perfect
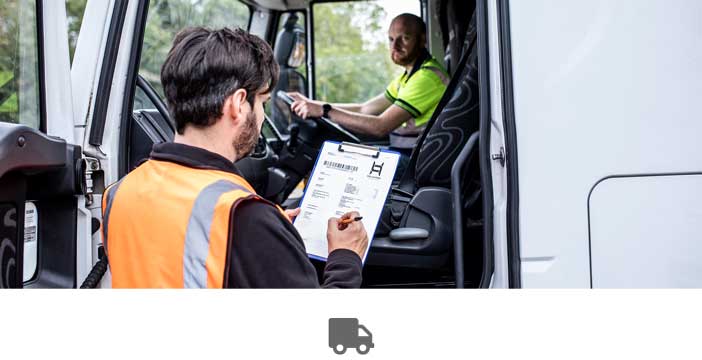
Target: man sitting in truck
[[408, 102]]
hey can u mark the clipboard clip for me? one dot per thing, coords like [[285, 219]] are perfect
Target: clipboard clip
[[365, 150]]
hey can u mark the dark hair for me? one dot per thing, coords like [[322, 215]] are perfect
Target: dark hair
[[415, 20], [204, 67]]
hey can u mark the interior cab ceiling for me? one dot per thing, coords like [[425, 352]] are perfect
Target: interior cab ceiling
[[279, 4]]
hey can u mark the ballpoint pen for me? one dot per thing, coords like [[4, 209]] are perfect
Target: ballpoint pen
[[350, 220]]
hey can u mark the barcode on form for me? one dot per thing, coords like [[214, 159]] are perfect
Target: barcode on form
[[340, 166]]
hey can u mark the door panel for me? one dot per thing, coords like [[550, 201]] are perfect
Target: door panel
[[11, 228], [645, 231], [40, 169], [600, 88], [39, 174]]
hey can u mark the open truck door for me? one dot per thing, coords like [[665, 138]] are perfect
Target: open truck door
[[42, 178], [53, 163]]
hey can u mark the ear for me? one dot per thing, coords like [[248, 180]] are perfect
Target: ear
[[233, 106]]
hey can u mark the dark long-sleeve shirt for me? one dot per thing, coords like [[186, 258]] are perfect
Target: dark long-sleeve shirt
[[266, 250]]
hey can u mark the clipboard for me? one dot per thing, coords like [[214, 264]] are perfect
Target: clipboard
[[346, 177]]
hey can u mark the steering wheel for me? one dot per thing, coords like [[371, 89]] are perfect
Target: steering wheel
[[339, 132]]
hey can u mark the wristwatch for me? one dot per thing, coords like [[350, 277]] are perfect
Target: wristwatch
[[326, 109]]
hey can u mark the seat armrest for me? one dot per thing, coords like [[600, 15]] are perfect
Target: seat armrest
[[401, 234], [397, 191]]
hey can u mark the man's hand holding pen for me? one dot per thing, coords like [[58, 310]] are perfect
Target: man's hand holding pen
[[347, 232]]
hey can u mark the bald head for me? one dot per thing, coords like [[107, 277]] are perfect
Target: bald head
[[412, 22], [407, 39]]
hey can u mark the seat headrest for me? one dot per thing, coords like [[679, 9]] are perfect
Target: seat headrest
[[290, 44]]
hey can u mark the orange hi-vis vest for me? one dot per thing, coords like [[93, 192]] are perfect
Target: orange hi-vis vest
[[167, 225]]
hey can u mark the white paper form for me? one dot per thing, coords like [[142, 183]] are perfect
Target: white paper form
[[344, 181]]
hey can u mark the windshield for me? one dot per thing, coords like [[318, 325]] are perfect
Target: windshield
[[167, 17], [352, 60], [362, 331]]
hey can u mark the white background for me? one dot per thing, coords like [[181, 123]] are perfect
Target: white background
[[411, 324]]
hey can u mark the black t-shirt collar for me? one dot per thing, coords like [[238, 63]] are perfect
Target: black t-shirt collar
[[192, 156]]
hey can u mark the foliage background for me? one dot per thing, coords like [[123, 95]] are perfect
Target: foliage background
[[352, 59], [8, 61], [19, 96], [351, 52]]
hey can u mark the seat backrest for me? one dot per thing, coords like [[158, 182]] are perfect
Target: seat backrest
[[454, 120], [455, 30]]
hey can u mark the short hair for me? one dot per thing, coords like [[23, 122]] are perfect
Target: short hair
[[204, 67], [413, 19]]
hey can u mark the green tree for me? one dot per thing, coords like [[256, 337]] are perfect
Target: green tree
[[167, 17], [351, 55]]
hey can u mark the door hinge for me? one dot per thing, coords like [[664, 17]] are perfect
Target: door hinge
[[90, 167], [501, 156]]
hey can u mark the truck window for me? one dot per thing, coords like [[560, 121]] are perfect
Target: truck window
[[142, 101], [167, 17], [19, 65], [352, 61]]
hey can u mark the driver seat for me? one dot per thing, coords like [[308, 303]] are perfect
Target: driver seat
[[416, 226], [289, 54]]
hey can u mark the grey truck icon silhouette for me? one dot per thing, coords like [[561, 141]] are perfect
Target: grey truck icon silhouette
[[346, 333]]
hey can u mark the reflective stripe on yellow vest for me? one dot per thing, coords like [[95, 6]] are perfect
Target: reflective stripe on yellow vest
[[167, 225]]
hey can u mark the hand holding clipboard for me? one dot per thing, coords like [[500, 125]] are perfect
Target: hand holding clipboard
[[347, 180]]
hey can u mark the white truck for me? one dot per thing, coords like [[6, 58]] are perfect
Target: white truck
[[577, 164]]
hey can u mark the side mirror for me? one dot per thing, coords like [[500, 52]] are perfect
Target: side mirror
[[290, 44], [297, 55]]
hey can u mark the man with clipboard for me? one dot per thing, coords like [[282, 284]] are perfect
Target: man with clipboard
[[186, 217]]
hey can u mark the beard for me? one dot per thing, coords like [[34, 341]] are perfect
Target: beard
[[409, 58], [246, 141]]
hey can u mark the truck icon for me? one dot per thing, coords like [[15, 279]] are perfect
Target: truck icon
[[346, 333]]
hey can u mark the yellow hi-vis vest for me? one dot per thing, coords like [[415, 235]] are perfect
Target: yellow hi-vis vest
[[167, 225]]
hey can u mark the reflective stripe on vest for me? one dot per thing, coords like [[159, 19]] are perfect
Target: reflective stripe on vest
[[197, 239], [107, 200], [168, 225]]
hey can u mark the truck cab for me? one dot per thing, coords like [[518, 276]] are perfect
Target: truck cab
[[563, 153]]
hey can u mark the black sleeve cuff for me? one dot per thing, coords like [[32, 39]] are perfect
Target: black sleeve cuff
[[343, 270], [345, 256]]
